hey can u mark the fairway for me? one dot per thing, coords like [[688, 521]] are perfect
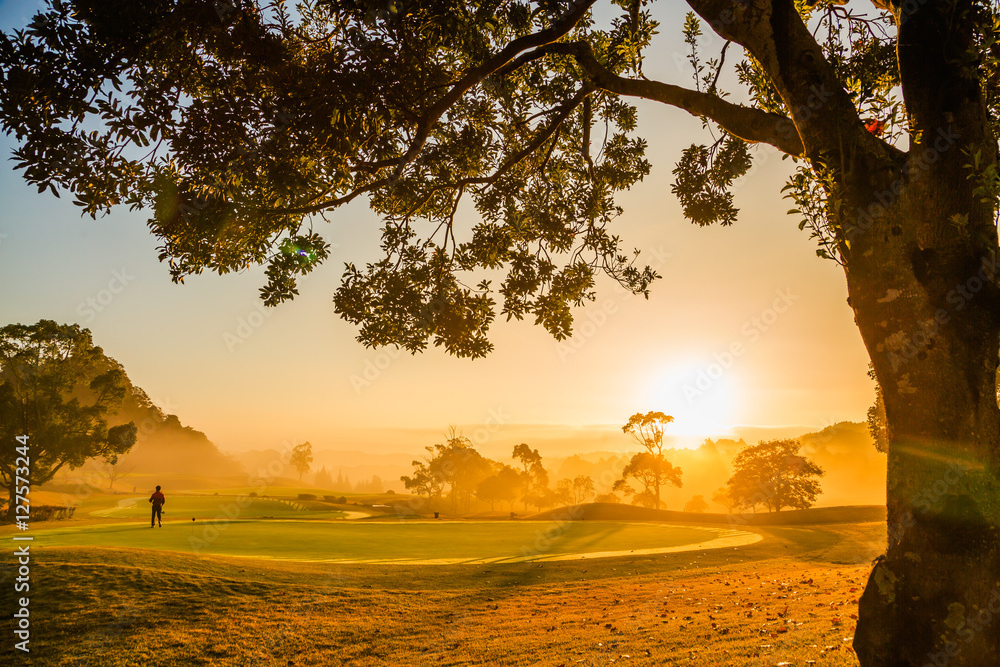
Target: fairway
[[215, 507], [430, 542]]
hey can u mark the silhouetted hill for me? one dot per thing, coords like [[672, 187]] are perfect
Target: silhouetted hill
[[166, 446]]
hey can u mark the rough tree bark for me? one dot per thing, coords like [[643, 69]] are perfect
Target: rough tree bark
[[922, 279], [920, 254]]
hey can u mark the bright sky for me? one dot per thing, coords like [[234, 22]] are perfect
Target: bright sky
[[747, 325]]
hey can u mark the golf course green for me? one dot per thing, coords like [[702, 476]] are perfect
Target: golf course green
[[412, 542], [215, 507]]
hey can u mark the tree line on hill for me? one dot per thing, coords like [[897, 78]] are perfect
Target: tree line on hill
[[79, 408], [325, 480], [771, 475]]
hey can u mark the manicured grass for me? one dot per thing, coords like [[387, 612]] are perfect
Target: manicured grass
[[208, 507], [293, 492], [412, 540], [787, 599]]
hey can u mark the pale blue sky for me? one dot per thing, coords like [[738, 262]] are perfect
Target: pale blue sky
[[300, 374]]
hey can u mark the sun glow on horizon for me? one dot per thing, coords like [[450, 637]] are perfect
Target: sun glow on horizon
[[701, 399]]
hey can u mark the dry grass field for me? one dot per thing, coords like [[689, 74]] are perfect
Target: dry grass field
[[790, 599]]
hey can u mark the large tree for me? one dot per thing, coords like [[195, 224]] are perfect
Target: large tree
[[651, 471], [776, 475], [455, 463], [301, 458], [58, 389], [647, 431], [503, 485], [234, 123], [535, 478]]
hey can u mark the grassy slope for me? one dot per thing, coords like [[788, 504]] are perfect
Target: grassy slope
[[209, 507], [788, 598], [310, 540]]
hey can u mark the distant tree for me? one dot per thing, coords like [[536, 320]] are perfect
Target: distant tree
[[647, 431], [577, 490], [59, 389], [373, 485], [649, 470], [301, 458], [564, 492], [116, 469], [234, 123], [877, 423], [607, 498], [583, 488], [324, 479], [455, 464], [535, 486], [504, 485], [425, 480], [696, 504], [775, 475], [462, 467], [722, 497]]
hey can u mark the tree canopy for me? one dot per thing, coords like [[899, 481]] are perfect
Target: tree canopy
[[697, 504], [238, 125], [647, 431], [301, 458], [775, 475], [651, 471], [59, 389]]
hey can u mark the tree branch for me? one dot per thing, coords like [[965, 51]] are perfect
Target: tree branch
[[476, 75], [543, 135], [752, 125], [824, 116]]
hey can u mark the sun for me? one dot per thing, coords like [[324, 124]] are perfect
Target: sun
[[701, 397]]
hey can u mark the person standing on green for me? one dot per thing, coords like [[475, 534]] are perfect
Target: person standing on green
[[158, 500]]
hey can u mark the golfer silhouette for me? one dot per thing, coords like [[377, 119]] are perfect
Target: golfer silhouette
[[158, 501]]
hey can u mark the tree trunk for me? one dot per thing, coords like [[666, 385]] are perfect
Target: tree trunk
[[659, 462], [924, 292]]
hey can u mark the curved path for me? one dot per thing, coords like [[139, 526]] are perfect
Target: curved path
[[724, 538], [402, 543]]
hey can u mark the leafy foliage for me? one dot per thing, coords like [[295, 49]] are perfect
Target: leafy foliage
[[647, 431], [704, 177], [301, 458], [696, 504], [775, 475], [651, 471], [238, 124], [60, 390], [877, 422]]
